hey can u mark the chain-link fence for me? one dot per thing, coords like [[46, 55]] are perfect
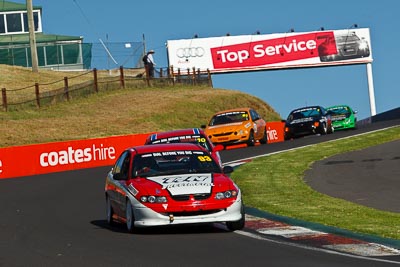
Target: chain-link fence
[[73, 55], [106, 56]]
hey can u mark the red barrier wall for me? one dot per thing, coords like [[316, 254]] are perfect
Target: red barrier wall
[[63, 156], [275, 131], [29, 160]]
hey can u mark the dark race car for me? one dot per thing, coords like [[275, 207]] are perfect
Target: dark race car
[[191, 135], [171, 184], [307, 121]]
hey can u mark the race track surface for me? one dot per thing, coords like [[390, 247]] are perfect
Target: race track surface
[[370, 177], [58, 219]]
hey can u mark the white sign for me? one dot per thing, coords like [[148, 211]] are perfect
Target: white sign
[[271, 51]]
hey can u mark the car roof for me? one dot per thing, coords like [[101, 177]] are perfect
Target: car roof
[[166, 147], [180, 132], [338, 106], [232, 110], [307, 107]]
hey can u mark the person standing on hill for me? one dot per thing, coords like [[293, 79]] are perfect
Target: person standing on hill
[[149, 63]]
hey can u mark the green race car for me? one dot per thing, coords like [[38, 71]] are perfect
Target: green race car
[[343, 117]]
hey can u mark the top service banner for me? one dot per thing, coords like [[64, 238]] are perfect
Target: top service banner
[[270, 51]]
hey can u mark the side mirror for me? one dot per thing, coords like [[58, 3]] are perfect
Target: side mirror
[[227, 169], [117, 176], [203, 126], [120, 176]]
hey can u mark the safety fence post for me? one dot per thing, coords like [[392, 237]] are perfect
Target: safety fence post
[[4, 97], [95, 82], [66, 89], [121, 77], [37, 95]]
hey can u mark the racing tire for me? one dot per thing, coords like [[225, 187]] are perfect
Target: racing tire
[[109, 212], [237, 225], [130, 218], [264, 139], [251, 141], [324, 129], [331, 130]]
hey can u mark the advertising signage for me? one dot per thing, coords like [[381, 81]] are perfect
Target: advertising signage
[[271, 51]]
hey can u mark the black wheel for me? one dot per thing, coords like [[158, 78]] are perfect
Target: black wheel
[[251, 141], [237, 225], [110, 211], [130, 218], [323, 129], [287, 137], [264, 139], [331, 130]]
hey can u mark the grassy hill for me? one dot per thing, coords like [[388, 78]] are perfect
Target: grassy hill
[[118, 112]]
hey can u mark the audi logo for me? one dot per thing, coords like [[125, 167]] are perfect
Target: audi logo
[[190, 52]]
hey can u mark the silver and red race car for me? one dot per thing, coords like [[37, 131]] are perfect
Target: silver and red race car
[[171, 184]]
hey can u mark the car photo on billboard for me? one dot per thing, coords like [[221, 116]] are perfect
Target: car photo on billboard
[[343, 47]]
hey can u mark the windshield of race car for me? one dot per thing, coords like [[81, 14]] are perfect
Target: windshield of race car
[[174, 162], [304, 113], [229, 117], [195, 139], [339, 111]]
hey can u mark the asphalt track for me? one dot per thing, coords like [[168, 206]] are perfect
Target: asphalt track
[[370, 177], [58, 219]]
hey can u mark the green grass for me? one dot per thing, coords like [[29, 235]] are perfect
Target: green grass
[[275, 184]]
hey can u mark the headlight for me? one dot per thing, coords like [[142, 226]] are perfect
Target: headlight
[[153, 199], [226, 194]]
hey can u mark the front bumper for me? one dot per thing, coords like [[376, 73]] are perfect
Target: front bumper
[[145, 217]]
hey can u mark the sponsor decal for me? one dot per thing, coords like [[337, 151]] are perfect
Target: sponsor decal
[[275, 131], [301, 120], [132, 190], [176, 139], [190, 52], [272, 134], [71, 155], [185, 184], [338, 117], [305, 109], [271, 51]]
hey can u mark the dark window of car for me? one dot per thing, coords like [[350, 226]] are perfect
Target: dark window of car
[[254, 115], [174, 162], [121, 167]]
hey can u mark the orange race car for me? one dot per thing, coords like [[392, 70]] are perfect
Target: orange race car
[[236, 126]]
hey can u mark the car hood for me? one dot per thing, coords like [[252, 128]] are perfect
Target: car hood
[[339, 117], [231, 127], [302, 120], [184, 184]]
